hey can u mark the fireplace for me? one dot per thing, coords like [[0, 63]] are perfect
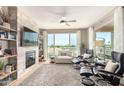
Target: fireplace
[[30, 58]]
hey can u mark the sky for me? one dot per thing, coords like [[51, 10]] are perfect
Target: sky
[[63, 39], [105, 35]]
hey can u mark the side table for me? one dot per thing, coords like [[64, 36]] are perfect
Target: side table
[[52, 59]]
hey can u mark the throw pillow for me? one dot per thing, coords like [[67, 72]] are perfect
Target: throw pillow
[[86, 55], [111, 66]]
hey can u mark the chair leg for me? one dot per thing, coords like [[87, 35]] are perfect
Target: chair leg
[[87, 81], [100, 81]]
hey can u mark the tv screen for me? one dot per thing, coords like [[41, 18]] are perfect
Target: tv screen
[[29, 37]]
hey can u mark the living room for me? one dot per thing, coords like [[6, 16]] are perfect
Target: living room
[[48, 41]]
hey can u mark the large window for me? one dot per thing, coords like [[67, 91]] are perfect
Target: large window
[[65, 42], [104, 50], [73, 40], [61, 39]]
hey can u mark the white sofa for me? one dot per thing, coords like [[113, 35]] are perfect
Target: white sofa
[[63, 59]]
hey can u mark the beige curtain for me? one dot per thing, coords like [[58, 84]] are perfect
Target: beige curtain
[[78, 42], [91, 37], [45, 37]]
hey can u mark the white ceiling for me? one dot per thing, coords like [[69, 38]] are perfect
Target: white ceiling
[[49, 16]]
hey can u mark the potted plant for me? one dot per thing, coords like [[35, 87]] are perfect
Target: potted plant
[[1, 67], [82, 47]]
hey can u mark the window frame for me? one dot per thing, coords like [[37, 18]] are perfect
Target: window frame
[[69, 38]]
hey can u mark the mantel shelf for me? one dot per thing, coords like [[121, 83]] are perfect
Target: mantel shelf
[[7, 29]]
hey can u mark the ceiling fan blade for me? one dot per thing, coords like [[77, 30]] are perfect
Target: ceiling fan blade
[[63, 21], [71, 21]]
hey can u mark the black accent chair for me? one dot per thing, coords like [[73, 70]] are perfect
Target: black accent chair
[[78, 60], [109, 77], [88, 60]]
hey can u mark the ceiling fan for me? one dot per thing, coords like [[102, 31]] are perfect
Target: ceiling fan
[[61, 13], [66, 22]]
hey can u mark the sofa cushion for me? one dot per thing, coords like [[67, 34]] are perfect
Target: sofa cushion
[[86, 55], [111, 66], [63, 59], [65, 53]]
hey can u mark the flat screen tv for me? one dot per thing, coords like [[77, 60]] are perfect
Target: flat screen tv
[[29, 37]]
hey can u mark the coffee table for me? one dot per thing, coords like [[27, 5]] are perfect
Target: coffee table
[[52, 59]]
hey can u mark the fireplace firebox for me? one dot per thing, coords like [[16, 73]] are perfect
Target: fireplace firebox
[[30, 58]]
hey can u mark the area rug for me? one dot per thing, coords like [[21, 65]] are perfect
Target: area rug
[[54, 75]]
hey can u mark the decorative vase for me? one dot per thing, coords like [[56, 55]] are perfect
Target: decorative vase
[[1, 69], [1, 21], [7, 25]]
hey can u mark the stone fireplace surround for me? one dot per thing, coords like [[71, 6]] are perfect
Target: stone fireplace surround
[[25, 20]]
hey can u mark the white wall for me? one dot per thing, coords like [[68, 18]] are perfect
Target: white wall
[[84, 37], [79, 42], [119, 29]]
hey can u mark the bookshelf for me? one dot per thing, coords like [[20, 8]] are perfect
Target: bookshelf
[[7, 29], [5, 39], [9, 72], [41, 55]]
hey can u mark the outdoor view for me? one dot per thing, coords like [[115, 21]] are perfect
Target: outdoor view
[[59, 43], [105, 50]]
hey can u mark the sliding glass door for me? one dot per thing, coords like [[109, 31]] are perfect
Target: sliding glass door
[[60, 42], [104, 49], [73, 44]]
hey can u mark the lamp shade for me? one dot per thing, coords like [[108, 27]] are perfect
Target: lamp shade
[[99, 42]]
